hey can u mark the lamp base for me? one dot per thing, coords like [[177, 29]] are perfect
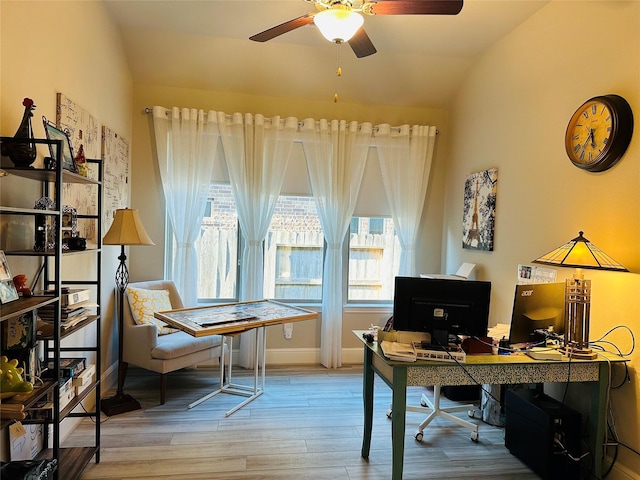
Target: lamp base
[[119, 404], [578, 353]]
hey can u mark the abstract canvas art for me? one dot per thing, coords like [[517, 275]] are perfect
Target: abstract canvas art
[[479, 210]]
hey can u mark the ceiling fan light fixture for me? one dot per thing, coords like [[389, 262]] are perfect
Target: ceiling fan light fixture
[[338, 24]]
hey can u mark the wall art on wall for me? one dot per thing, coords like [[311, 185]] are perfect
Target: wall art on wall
[[83, 130], [82, 127], [479, 210], [115, 180]]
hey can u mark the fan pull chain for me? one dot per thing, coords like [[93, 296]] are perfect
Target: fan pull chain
[[339, 69]]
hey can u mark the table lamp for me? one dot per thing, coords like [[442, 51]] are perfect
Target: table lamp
[[126, 229], [578, 253]]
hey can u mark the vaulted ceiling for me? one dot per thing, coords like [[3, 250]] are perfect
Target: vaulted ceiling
[[421, 60]]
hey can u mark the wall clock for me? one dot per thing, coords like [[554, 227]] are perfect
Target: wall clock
[[599, 133]]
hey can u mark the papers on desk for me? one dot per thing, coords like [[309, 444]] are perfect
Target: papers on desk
[[400, 352]]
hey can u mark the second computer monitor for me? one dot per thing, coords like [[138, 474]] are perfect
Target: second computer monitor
[[537, 306]]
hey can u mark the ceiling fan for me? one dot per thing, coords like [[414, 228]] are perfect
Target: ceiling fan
[[340, 20]]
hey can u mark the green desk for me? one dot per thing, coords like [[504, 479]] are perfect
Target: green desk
[[480, 369]]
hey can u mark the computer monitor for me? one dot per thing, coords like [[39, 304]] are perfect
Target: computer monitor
[[536, 306], [441, 307]]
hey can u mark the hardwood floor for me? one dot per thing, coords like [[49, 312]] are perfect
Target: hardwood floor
[[307, 425]]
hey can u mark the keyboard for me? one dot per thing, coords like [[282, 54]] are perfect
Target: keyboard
[[438, 354]]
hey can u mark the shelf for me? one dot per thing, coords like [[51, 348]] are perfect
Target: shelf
[[44, 175], [28, 400], [27, 211], [77, 399], [47, 253], [72, 461], [24, 305], [65, 332], [68, 331]]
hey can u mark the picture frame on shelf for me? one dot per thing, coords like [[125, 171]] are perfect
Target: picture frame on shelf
[[45, 226], [5, 273], [69, 225], [19, 333], [8, 292], [54, 133]]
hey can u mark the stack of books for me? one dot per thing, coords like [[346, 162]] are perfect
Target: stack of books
[[74, 303], [70, 370]]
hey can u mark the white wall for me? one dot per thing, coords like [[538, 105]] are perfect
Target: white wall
[[512, 114]]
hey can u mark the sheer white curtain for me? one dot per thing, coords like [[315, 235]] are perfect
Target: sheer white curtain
[[405, 155], [257, 151], [336, 154], [186, 141]]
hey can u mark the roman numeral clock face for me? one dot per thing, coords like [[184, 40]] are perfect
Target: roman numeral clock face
[[599, 132]]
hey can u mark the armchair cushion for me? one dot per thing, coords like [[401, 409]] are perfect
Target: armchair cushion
[[144, 303]]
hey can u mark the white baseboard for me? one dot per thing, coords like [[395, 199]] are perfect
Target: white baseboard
[[620, 472], [309, 356], [293, 356], [277, 356], [297, 356]]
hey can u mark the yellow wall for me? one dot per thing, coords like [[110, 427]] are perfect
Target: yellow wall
[[512, 113], [73, 48]]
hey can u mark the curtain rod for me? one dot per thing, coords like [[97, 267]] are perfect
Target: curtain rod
[[148, 110]]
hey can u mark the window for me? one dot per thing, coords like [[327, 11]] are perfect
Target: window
[[293, 251], [294, 246], [374, 259], [217, 247]]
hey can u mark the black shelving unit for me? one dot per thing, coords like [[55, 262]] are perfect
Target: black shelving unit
[[70, 461]]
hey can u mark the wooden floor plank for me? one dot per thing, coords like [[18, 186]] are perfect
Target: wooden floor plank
[[307, 425]]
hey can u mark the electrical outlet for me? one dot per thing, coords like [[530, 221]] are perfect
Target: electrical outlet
[[288, 330]]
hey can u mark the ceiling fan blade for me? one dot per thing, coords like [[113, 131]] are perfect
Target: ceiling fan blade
[[283, 28], [416, 7], [361, 44]]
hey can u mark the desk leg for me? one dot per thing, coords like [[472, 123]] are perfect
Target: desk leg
[[398, 413], [598, 423], [367, 398], [237, 389]]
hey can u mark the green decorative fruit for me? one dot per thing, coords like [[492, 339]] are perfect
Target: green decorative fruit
[[11, 382]]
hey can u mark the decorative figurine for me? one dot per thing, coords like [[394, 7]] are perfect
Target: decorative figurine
[[22, 154], [20, 281], [11, 382], [81, 162]]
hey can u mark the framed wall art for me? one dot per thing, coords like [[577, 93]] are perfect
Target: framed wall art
[[84, 132], [54, 133], [479, 213]]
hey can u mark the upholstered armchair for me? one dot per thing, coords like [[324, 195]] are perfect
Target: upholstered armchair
[[145, 346]]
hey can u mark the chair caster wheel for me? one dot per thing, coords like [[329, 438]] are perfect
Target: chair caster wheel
[[474, 437], [419, 436], [389, 414]]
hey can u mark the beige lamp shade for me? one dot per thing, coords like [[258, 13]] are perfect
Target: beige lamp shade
[[580, 253], [127, 229]]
